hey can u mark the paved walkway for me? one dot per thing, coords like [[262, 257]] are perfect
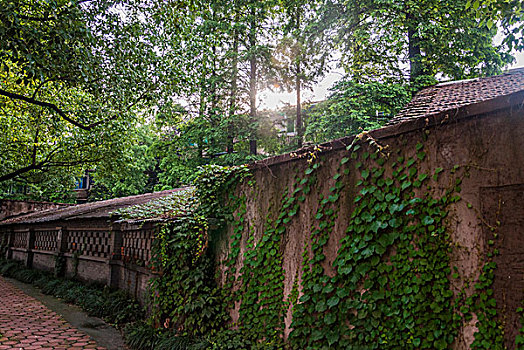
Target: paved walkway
[[25, 323]]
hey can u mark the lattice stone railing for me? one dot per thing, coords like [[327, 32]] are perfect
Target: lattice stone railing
[[89, 242], [136, 245], [129, 243], [20, 239], [46, 240], [116, 254]]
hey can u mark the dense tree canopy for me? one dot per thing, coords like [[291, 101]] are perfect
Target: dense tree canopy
[[355, 107], [74, 77], [143, 92], [407, 39]]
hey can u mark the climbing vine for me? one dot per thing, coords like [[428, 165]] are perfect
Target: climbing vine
[[388, 287], [185, 297], [262, 306], [391, 284], [60, 265], [519, 341]]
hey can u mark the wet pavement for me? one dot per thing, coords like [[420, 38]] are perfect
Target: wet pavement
[[26, 323]]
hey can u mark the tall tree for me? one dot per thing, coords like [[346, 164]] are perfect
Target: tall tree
[[258, 17], [409, 39], [74, 75], [354, 107], [236, 29], [301, 54], [226, 55]]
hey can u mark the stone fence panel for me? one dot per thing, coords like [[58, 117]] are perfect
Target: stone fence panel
[[112, 255]]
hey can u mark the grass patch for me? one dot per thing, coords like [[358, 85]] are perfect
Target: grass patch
[[141, 336]]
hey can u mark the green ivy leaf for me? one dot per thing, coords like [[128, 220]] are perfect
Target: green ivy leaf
[[329, 319], [333, 301], [427, 220]]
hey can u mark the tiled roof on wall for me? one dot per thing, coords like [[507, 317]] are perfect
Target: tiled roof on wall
[[456, 94], [101, 209]]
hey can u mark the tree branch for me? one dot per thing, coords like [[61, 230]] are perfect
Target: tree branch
[[39, 87], [43, 165], [63, 114], [20, 171], [51, 106]]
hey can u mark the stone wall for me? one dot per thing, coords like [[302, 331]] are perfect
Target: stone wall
[[93, 251], [10, 208], [489, 146]]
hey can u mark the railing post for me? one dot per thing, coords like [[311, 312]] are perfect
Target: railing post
[[10, 243], [115, 247], [61, 248], [29, 247], [61, 240], [115, 242]]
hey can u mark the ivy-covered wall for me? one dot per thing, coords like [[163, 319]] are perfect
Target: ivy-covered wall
[[393, 239]]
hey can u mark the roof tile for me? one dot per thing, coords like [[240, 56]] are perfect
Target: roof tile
[[452, 95], [99, 209]]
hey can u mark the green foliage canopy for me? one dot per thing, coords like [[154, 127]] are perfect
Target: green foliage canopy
[[403, 39], [354, 107], [73, 76]]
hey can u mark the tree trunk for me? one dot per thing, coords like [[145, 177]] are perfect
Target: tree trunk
[[415, 57], [299, 130], [233, 95], [299, 108], [214, 82], [201, 113], [253, 84]]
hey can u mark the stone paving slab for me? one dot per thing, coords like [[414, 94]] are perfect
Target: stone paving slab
[[26, 323]]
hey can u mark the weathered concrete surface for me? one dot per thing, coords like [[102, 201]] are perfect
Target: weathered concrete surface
[[489, 145]]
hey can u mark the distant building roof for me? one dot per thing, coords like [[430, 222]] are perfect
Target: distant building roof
[[91, 210], [456, 94]]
